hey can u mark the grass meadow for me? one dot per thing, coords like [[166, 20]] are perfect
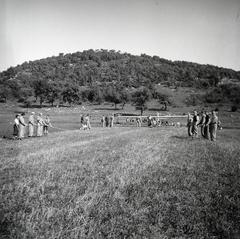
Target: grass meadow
[[124, 182]]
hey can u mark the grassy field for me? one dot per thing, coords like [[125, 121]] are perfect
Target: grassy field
[[121, 183], [68, 118], [124, 182]]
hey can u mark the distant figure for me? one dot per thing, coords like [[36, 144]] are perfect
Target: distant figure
[[106, 121], [213, 126], [206, 126], [202, 123], [81, 121], [87, 118], [16, 127], [31, 125], [40, 124], [149, 121], [111, 120], [46, 124], [178, 124], [154, 122], [195, 124], [103, 121], [22, 126], [219, 125], [189, 124], [139, 121]]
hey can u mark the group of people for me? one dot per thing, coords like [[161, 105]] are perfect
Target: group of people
[[208, 123], [154, 122], [36, 126], [205, 122], [107, 121], [85, 122]]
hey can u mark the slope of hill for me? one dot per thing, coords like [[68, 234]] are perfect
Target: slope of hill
[[120, 183], [71, 77]]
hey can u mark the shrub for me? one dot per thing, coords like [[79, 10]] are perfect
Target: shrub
[[194, 99]]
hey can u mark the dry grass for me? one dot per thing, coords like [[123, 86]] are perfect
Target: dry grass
[[120, 183]]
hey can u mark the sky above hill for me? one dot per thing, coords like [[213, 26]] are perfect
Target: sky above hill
[[203, 31]]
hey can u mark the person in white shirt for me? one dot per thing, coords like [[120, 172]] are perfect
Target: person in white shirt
[[16, 127]]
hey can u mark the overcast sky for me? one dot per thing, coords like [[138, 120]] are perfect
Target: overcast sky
[[203, 31]]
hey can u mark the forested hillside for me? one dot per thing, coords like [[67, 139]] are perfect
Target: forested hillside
[[105, 75]]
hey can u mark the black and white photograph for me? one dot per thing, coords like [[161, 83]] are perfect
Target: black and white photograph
[[120, 119]]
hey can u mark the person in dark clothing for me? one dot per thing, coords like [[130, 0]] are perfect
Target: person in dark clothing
[[106, 121]]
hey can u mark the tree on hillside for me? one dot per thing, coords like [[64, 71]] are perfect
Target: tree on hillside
[[97, 95], [112, 95], [141, 97], [70, 94], [4, 93], [53, 92], [125, 97], [40, 87], [162, 97]]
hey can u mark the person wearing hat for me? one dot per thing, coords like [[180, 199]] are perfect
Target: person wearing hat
[[22, 126], [40, 125], [31, 125]]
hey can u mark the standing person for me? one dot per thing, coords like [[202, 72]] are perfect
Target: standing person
[[40, 125], [189, 124], [206, 127], [195, 124], [103, 121], [111, 120], [16, 127], [46, 124], [213, 126], [149, 119], [138, 120], [154, 122], [202, 123], [31, 125], [22, 126], [81, 121], [87, 118], [106, 121]]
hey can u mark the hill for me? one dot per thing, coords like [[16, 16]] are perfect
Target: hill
[[120, 183], [90, 76]]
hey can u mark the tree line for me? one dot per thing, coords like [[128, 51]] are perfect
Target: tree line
[[103, 75]]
